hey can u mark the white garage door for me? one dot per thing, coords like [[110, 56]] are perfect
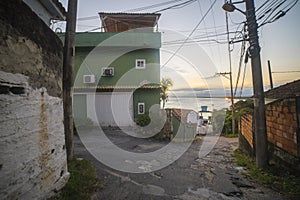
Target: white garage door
[[111, 109]]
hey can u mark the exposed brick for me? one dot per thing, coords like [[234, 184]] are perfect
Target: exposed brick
[[284, 134], [293, 109], [285, 109]]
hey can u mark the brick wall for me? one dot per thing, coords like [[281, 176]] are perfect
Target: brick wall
[[282, 125], [281, 119], [245, 127]]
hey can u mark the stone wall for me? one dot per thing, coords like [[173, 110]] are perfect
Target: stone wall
[[33, 162], [32, 151], [281, 120], [29, 47]]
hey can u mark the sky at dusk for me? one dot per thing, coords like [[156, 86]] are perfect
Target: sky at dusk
[[199, 59]]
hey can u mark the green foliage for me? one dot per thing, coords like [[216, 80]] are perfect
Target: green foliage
[[165, 85], [143, 120], [230, 135], [241, 107], [278, 179], [83, 182]]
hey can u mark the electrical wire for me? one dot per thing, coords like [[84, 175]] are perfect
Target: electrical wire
[[133, 10], [195, 28], [266, 15], [285, 72], [180, 5], [243, 80], [279, 14], [243, 47], [153, 6]]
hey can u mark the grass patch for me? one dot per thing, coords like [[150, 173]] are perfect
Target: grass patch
[[83, 181], [230, 135], [278, 179]]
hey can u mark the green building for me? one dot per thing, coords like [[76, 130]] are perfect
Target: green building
[[117, 72]]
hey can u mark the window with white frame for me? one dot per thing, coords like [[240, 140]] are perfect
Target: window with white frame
[[140, 63], [141, 108]]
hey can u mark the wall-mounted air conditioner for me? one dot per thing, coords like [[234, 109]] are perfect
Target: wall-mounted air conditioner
[[107, 71], [88, 78]]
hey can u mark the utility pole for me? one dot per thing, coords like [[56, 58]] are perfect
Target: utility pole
[[261, 142], [259, 118], [230, 79], [68, 65], [232, 96], [270, 74]]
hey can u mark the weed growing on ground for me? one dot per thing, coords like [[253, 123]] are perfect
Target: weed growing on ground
[[230, 135], [83, 182], [278, 179]]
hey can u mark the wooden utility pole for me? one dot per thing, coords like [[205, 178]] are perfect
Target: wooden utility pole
[[68, 65], [270, 75], [261, 142]]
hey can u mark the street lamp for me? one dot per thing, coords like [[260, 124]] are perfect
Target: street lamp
[[261, 142], [229, 7]]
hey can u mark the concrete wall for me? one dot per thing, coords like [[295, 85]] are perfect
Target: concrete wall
[[32, 145], [281, 119], [29, 47], [32, 151]]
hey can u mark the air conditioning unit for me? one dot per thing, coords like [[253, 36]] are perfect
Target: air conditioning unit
[[107, 71], [88, 78]]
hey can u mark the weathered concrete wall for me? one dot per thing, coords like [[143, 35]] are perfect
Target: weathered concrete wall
[[29, 47], [32, 151], [281, 119], [32, 146]]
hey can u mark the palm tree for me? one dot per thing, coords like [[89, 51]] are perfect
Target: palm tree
[[165, 85]]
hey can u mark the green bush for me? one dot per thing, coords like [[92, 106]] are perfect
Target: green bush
[[143, 120]]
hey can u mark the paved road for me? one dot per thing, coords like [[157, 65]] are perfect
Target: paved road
[[189, 178]]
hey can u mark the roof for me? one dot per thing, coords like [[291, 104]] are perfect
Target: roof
[[60, 7], [126, 39], [119, 22], [53, 7], [288, 90]]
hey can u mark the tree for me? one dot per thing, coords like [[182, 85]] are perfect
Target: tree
[[165, 85]]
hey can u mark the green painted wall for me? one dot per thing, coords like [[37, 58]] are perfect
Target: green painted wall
[[121, 53], [148, 96], [123, 65], [79, 106], [182, 130]]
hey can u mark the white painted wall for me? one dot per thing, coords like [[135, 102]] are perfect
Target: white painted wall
[[192, 117], [111, 109], [32, 151]]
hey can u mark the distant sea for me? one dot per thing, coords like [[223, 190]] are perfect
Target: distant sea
[[194, 99]]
